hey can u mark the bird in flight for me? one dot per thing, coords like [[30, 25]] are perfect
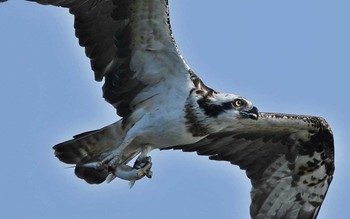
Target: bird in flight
[[164, 105]]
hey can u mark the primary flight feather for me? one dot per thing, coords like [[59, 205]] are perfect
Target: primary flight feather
[[164, 105]]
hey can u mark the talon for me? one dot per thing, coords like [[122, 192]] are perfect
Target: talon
[[103, 165], [114, 161], [146, 170], [142, 162], [111, 169], [149, 174], [111, 159]]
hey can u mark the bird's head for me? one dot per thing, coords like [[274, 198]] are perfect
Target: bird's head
[[228, 107]]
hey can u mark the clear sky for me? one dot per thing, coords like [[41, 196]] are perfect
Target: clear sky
[[285, 56]]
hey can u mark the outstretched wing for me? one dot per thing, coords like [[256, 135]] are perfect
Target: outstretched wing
[[288, 158], [130, 44]]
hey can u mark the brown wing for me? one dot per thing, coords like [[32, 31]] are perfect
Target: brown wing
[[95, 28], [288, 158], [125, 41]]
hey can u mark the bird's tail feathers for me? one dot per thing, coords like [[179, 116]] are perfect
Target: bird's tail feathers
[[89, 147]]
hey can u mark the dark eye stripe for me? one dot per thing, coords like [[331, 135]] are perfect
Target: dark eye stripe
[[227, 105]]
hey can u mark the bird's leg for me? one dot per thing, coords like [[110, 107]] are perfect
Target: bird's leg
[[141, 168], [113, 163], [143, 160], [114, 158], [144, 163]]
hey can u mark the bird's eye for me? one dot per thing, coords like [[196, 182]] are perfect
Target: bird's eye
[[238, 103]]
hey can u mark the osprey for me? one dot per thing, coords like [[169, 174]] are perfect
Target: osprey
[[164, 105]]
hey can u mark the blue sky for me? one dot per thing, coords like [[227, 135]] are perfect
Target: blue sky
[[285, 56]]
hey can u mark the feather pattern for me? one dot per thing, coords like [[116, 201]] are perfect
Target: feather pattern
[[130, 45], [288, 158]]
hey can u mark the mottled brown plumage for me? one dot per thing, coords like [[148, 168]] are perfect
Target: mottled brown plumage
[[288, 158], [163, 104]]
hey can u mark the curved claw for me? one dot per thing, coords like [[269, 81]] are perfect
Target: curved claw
[[142, 162], [145, 164], [146, 170], [149, 173]]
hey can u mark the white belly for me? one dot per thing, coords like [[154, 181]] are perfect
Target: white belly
[[158, 129], [160, 121], [166, 128]]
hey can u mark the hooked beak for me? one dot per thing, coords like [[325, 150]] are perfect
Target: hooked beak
[[253, 113]]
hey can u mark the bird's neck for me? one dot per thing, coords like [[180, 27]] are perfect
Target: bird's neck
[[198, 122]]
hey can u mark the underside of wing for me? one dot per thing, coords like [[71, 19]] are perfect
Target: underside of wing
[[288, 158], [95, 28], [130, 45]]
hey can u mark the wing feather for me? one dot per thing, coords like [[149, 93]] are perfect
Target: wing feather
[[129, 44], [288, 158]]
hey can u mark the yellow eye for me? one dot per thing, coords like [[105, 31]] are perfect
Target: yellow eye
[[237, 103]]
